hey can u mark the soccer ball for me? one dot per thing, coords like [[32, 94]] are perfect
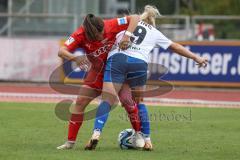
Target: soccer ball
[[126, 139]]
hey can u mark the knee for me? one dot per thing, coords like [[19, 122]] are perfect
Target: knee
[[81, 103], [110, 98]]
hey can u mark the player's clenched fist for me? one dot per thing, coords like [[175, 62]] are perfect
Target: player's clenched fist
[[125, 43]]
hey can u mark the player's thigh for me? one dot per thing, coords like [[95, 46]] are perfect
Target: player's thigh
[[86, 95], [137, 72], [89, 91], [114, 76], [115, 69], [110, 92]]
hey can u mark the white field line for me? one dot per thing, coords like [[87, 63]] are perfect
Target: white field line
[[37, 95], [149, 101], [193, 102]]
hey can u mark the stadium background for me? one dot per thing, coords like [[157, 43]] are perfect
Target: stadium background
[[31, 32]]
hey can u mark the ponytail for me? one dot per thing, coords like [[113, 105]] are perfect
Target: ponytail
[[149, 15], [93, 27]]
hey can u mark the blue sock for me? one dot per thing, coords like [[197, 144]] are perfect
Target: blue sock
[[102, 115], [145, 124]]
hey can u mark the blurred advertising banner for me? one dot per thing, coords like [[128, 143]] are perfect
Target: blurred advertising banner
[[223, 69], [28, 59]]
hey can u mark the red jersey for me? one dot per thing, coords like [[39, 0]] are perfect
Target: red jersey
[[97, 51]]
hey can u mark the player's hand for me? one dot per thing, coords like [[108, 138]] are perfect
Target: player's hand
[[124, 43], [201, 61], [85, 66], [82, 62]]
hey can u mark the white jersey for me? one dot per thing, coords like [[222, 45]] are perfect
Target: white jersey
[[145, 38]]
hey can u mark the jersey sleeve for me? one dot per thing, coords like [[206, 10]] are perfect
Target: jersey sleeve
[[73, 42], [119, 24], [162, 41]]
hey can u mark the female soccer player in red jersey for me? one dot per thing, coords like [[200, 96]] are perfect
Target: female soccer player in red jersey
[[97, 37]]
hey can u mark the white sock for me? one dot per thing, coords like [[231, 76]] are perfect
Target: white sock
[[96, 131], [146, 137]]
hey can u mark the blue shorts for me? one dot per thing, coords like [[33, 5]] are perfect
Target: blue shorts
[[121, 68]]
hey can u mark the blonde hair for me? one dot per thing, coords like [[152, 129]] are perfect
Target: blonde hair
[[149, 15]]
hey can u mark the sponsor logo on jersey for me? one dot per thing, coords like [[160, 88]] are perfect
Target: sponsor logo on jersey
[[70, 41], [103, 50], [122, 20]]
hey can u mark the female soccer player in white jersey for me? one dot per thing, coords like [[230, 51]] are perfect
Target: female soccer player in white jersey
[[131, 65]]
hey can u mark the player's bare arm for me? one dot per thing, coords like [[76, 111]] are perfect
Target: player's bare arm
[[179, 49], [64, 53], [134, 19]]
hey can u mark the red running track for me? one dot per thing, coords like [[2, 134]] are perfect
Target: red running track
[[232, 95]]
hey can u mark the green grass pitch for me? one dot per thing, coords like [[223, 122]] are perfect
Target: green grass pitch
[[32, 131]]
